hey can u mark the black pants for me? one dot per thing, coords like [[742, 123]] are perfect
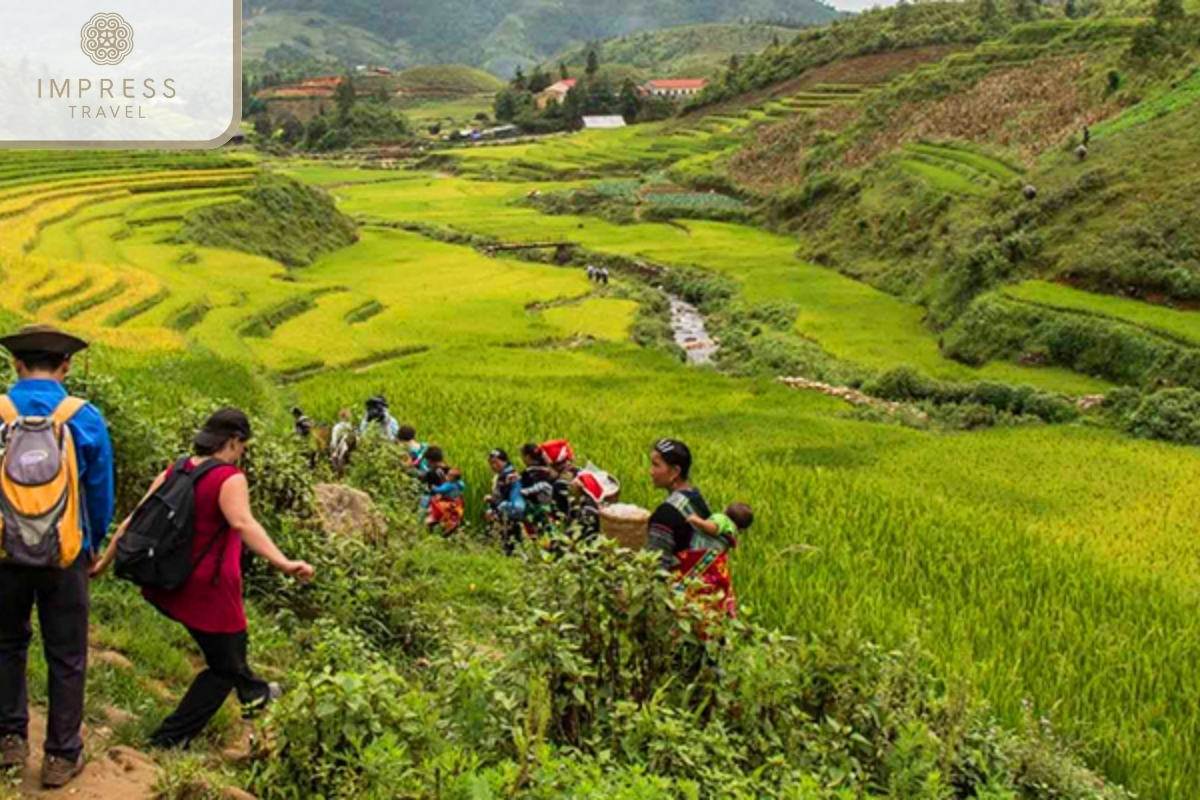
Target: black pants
[[225, 655], [61, 597]]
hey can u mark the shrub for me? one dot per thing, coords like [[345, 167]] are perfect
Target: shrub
[[279, 218], [1172, 415]]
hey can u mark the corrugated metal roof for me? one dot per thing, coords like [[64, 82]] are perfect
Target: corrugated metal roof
[[604, 122]]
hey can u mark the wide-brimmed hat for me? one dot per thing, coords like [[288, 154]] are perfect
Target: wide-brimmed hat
[[43, 339], [226, 424]]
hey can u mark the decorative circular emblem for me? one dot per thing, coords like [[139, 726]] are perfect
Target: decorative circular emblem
[[106, 39]]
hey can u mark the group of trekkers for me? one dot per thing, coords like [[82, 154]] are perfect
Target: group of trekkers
[[183, 545], [547, 492]]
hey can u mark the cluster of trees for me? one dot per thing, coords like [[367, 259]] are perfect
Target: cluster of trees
[[593, 94], [355, 121]]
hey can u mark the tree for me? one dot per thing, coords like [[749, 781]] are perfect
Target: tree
[[1024, 9], [630, 101], [292, 127], [1071, 9], [262, 126], [563, 72], [539, 81], [988, 11], [593, 63], [1168, 11], [345, 97], [519, 81], [572, 107], [384, 96]]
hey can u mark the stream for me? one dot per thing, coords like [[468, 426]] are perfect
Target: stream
[[690, 332]]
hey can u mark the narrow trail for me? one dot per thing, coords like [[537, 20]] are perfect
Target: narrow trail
[[112, 773]]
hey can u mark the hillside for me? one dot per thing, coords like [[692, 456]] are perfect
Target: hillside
[[499, 36], [695, 51], [445, 80], [312, 43]]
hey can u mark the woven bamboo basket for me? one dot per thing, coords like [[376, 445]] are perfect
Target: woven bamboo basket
[[631, 531]]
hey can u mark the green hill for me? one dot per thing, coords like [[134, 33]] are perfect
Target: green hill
[[694, 51], [286, 41], [495, 36], [446, 79]]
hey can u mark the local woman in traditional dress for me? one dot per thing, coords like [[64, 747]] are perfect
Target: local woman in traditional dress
[[699, 561]]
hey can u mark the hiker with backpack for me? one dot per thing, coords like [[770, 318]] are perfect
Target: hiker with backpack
[[183, 546], [56, 497]]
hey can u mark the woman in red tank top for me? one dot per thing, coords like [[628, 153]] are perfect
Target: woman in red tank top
[[210, 603]]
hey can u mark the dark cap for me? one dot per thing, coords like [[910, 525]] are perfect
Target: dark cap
[[226, 424], [498, 454], [676, 454], [43, 339]]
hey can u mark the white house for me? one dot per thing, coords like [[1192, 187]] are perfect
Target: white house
[[675, 89]]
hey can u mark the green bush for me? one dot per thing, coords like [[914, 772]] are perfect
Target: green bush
[[279, 218], [995, 327], [608, 680], [1172, 415]]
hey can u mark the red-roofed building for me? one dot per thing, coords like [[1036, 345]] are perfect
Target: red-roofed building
[[555, 94], [675, 89]]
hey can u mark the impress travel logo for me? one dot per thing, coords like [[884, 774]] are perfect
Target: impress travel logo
[[106, 39], [74, 76]]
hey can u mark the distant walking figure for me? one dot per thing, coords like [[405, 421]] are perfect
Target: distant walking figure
[[604, 275]]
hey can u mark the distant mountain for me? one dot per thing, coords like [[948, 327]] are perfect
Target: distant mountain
[[694, 51], [495, 35]]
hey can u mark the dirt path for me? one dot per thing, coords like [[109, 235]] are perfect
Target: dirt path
[[117, 773]]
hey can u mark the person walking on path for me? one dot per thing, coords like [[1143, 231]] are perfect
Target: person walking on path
[[210, 604], [42, 358]]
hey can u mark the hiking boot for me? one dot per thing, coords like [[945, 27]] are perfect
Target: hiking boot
[[57, 771], [13, 751], [251, 710]]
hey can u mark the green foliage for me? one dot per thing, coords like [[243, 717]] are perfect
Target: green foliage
[[1172, 415], [971, 405], [278, 218], [608, 666], [995, 327]]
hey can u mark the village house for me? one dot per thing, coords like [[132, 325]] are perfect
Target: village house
[[555, 94], [675, 89]]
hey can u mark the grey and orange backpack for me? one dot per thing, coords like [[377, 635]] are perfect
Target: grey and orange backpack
[[41, 513]]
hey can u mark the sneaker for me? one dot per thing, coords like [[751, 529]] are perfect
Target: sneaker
[[13, 751], [253, 708], [57, 771]]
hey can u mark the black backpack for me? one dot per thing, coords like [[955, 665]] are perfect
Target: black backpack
[[156, 550]]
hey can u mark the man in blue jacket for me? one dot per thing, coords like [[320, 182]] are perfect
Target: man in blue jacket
[[42, 357]]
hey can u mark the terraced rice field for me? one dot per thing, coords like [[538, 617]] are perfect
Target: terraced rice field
[[956, 170], [1176, 324]]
